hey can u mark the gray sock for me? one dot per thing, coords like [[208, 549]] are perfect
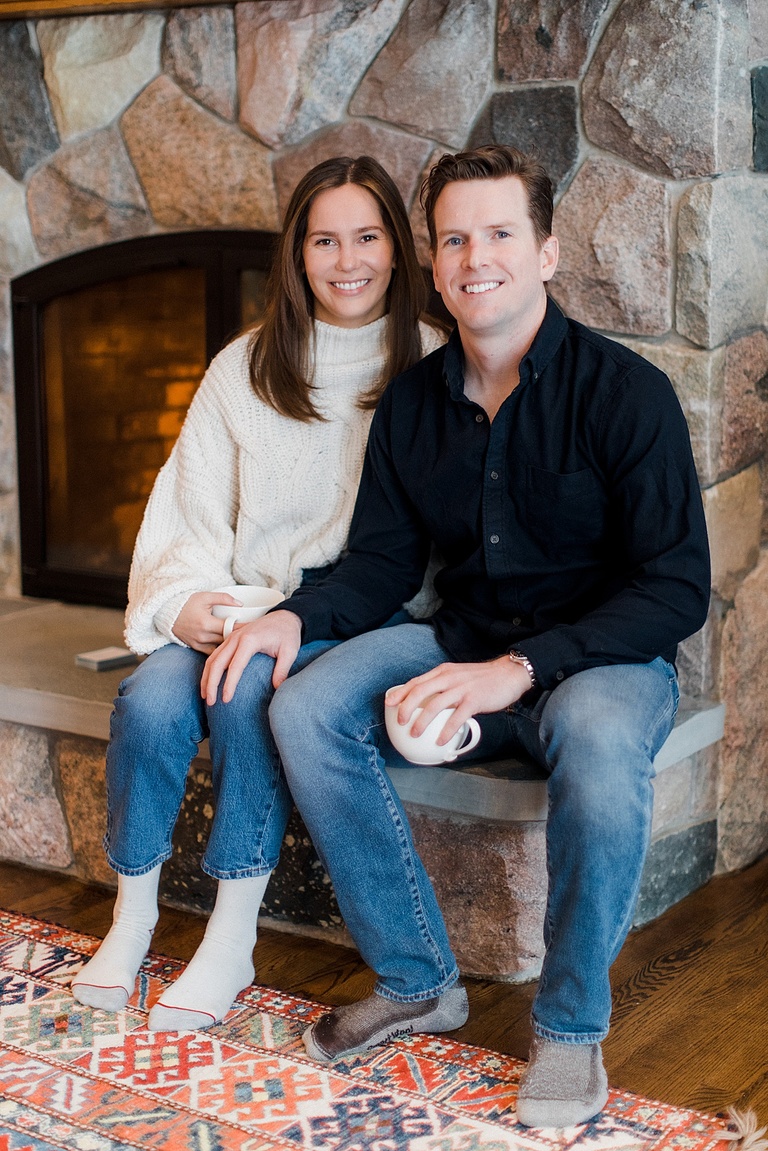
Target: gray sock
[[360, 1026], [563, 1084]]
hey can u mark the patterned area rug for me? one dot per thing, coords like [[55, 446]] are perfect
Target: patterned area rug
[[85, 1080]]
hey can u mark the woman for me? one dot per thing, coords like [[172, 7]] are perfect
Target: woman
[[259, 489]]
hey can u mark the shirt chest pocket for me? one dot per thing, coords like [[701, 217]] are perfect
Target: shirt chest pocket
[[565, 510]]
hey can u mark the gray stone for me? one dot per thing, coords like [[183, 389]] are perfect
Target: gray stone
[[10, 575], [667, 88], [84, 793], [403, 156], [32, 826], [7, 443], [199, 54], [17, 250], [96, 65], [539, 120], [758, 30], [734, 518], [300, 61], [722, 279], [615, 270], [760, 118], [672, 790], [545, 39], [705, 784], [27, 129], [675, 866], [743, 812], [196, 170], [434, 72], [698, 658], [87, 195]]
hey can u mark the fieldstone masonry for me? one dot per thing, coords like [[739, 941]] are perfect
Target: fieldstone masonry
[[651, 115]]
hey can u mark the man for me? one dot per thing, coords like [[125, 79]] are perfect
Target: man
[[552, 470]]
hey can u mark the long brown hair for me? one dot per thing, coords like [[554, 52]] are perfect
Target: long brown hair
[[278, 351]]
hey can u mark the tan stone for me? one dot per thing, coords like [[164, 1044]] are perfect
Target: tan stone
[[706, 776], [494, 910], [7, 443], [403, 156], [734, 512], [10, 575], [87, 195], [722, 280], [545, 39], [32, 826], [698, 657], [615, 268], [758, 30], [95, 65], [745, 415], [672, 792], [197, 171], [84, 791], [743, 815], [435, 72], [667, 87], [17, 250], [199, 54], [299, 61]]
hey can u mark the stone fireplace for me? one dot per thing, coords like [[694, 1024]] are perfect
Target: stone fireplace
[[652, 116]]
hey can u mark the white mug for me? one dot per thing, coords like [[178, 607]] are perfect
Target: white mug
[[256, 602], [423, 749]]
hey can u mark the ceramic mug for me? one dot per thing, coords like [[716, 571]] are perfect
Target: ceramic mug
[[256, 602], [423, 749]]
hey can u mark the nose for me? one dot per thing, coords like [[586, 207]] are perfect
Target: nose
[[475, 253], [348, 257]]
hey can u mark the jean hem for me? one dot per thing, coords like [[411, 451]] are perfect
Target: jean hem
[[571, 1037], [143, 870], [238, 872], [418, 996]]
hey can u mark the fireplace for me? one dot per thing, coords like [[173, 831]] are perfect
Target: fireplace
[[109, 348]]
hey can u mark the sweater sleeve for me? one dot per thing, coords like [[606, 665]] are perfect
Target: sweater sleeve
[[186, 540]]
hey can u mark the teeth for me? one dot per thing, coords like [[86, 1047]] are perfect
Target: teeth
[[351, 286], [488, 286]]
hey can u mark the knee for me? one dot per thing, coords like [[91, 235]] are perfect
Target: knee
[[251, 698], [164, 687]]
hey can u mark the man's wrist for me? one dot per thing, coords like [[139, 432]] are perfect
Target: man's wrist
[[521, 658]]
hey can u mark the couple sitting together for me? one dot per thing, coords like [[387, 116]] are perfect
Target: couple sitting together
[[551, 470]]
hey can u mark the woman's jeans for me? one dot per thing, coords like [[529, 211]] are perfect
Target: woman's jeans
[[157, 723], [596, 735]]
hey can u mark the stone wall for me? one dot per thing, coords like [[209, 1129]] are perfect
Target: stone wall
[[652, 116]]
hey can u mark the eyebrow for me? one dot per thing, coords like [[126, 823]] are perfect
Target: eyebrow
[[358, 232]]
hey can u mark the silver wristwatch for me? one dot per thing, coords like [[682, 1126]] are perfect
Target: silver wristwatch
[[521, 658]]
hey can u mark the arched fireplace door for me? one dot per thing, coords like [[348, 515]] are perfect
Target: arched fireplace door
[[109, 347]]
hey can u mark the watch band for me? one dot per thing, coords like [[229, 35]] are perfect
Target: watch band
[[521, 658]]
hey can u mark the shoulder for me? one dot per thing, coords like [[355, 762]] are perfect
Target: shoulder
[[432, 337], [614, 361]]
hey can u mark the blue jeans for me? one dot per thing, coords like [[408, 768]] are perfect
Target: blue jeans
[[157, 723], [596, 736]]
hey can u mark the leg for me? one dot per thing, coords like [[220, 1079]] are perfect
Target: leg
[[599, 733], [327, 723], [156, 725]]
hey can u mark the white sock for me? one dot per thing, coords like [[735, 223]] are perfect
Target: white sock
[[108, 979], [222, 965]]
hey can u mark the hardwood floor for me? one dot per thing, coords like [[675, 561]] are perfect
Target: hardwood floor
[[690, 1023]]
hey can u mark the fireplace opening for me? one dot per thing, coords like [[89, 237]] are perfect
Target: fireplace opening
[[110, 346]]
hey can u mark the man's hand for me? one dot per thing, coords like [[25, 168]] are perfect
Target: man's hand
[[277, 634], [196, 627], [470, 688]]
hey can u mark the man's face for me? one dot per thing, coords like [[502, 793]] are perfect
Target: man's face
[[488, 265]]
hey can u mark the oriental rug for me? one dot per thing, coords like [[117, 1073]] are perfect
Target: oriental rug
[[76, 1079]]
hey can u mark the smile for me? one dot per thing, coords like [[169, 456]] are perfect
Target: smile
[[487, 286], [350, 285]]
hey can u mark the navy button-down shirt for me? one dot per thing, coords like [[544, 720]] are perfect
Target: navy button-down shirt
[[571, 525]]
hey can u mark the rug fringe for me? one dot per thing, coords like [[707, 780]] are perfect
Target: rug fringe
[[746, 1135]]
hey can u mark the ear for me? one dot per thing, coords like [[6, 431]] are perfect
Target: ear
[[435, 279], [550, 254]]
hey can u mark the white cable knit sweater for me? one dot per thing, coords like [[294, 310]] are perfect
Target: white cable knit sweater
[[250, 496]]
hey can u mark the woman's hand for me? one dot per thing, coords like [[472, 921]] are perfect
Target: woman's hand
[[196, 627], [277, 634], [470, 688]]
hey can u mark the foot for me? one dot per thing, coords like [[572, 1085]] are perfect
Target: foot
[[360, 1026], [205, 990], [108, 979], [563, 1084]]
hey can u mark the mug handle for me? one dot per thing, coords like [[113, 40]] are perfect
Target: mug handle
[[473, 730], [229, 623]]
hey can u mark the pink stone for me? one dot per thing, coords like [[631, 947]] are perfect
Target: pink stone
[[32, 826], [403, 156], [615, 269], [545, 39], [745, 409], [87, 195], [196, 170], [83, 786]]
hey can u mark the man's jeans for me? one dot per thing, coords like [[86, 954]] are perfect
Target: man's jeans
[[596, 735], [158, 721]]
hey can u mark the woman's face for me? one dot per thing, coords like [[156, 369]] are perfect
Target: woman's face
[[348, 257]]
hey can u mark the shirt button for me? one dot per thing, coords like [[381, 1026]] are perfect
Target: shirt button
[[494, 539], [478, 418], [517, 621], [494, 475], [560, 675]]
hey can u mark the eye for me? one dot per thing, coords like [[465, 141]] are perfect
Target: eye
[[323, 242], [453, 241], [503, 234], [369, 236]]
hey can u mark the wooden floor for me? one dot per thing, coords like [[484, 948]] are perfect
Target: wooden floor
[[690, 1022]]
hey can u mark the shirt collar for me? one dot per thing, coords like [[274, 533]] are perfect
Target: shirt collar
[[538, 357]]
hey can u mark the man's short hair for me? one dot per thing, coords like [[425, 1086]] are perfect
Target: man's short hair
[[492, 162]]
